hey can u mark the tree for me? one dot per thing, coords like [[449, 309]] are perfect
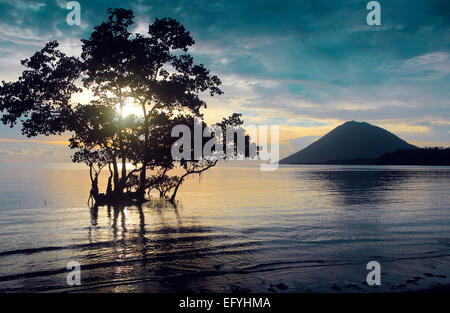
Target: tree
[[153, 72], [40, 98]]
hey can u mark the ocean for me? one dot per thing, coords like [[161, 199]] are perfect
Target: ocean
[[234, 229]]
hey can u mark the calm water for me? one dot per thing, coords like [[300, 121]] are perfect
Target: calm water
[[310, 228]]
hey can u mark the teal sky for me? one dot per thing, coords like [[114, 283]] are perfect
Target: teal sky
[[304, 65]]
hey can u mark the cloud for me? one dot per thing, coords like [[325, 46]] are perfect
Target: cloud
[[300, 143], [429, 58], [25, 152], [367, 28], [34, 150], [20, 35], [305, 65], [404, 128], [25, 5], [40, 141]]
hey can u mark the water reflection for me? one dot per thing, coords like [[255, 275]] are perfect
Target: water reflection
[[361, 186], [300, 226], [153, 244]]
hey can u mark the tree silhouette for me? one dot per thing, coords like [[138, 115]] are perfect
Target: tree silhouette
[[421, 156], [153, 73], [40, 98]]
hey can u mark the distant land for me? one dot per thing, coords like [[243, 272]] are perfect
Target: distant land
[[362, 143]]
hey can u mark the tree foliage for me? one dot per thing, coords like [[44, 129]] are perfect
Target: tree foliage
[[153, 72]]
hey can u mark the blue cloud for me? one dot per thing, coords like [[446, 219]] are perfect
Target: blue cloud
[[312, 58]]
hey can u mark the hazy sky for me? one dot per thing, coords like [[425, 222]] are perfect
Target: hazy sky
[[304, 65]]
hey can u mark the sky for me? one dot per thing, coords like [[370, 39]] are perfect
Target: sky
[[307, 66]]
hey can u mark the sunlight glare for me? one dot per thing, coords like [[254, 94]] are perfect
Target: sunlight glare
[[130, 108]]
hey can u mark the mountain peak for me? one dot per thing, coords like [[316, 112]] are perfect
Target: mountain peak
[[351, 140], [354, 122]]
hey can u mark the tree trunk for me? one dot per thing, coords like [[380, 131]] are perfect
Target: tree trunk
[[172, 199], [116, 174], [121, 147], [174, 194], [94, 185], [124, 171], [109, 186], [143, 176], [142, 179]]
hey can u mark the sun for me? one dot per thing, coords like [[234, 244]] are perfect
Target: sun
[[130, 108]]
